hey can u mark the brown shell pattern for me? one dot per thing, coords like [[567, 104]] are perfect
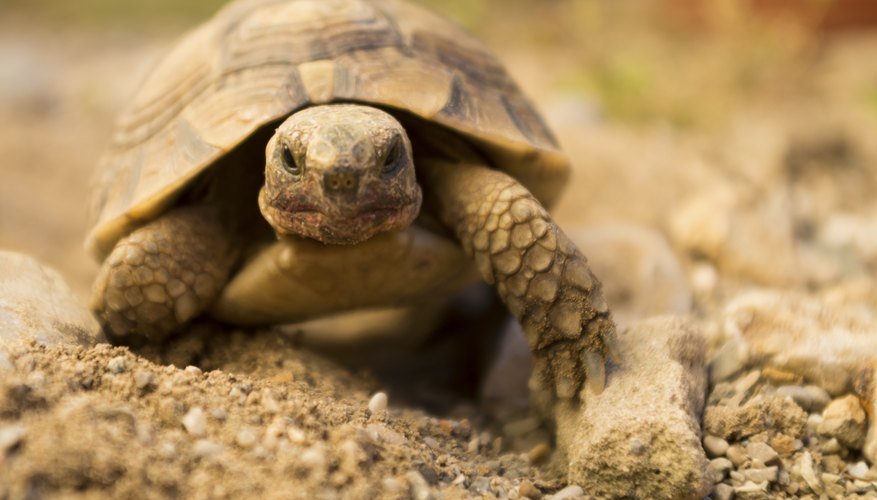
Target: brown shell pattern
[[257, 61]]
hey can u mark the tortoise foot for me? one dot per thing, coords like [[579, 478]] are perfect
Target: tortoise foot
[[162, 275], [541, 276]]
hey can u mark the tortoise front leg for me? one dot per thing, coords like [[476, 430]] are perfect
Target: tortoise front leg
[[164, 274], [539, 273]]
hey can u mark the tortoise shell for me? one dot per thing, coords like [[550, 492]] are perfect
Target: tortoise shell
[[258, 61]]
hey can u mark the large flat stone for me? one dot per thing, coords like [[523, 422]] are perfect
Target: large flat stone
[[641, 437], [35, 302]]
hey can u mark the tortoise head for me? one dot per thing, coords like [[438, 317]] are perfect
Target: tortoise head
[[340, 174]]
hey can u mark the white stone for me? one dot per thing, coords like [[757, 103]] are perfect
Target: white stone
[[715, 446], [378, 403], [568, 493], [195, 422]]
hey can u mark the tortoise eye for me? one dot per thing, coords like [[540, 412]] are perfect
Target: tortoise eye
[[289, 162], [394, 159]]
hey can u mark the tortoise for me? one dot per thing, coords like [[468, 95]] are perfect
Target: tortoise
[[192, 214]]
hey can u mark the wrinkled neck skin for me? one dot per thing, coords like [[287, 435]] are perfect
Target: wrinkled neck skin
[[339, 174]]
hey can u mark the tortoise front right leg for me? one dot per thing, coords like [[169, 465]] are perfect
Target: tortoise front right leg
[[539, 273], [164, 274]]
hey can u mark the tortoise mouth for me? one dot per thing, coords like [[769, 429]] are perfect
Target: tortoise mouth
[[335, 226]]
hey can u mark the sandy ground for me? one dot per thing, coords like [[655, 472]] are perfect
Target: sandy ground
[[752, 159]]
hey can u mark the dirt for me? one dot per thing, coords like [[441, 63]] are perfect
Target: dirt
[[262, 419], [750, 150]]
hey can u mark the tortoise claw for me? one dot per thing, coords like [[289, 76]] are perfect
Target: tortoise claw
[[595, 369], [612, 347]]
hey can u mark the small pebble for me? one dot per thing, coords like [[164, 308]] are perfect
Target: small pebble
[[193, 371], [314, 457], [730, 360], [11, 436], [568, 493], [5, 363], [762, 452], [143, 379], [167, 450], [539, 454], [746, 383], [777, 376], [845, 419], [378, 403], [419, 486], [204, 448], [117, 365], [528, 490], [808, 473], [723, 492], [473, 445], [431, 442], [247, 438], [296, 435], [195, 422], [811, 398], [737, 455], [758, 476], [858, 470], [831, 447], [750, 487], [715, 446], [720, 468]]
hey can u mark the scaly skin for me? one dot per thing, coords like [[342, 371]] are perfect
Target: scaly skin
[[164, 274], [538, 272]]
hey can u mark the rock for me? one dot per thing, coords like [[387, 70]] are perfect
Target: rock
[[719, 467], [810, 398], [378, 403], [737, 455], [714, 446], [641, 275], [247, 438], [10, 437], [723, 492], [762, 413], [35, 302], [766, 474], [762, 452], [751, 490], [569, 493], [831, 447], [528, 490], [419, 487], [824, 340], [866, 387], [643, 424], [845, 420], [195, 422], [858, 470], [117, 365], [205, 449], [808, 472], [143, 379], [729, 360]]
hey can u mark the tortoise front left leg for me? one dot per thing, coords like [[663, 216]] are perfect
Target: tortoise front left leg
[[541, 276], [164, 274]]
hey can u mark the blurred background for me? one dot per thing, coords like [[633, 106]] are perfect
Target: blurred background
[[740, 134]]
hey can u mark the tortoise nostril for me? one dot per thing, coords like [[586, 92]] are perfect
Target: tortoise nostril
[[341, 181]]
